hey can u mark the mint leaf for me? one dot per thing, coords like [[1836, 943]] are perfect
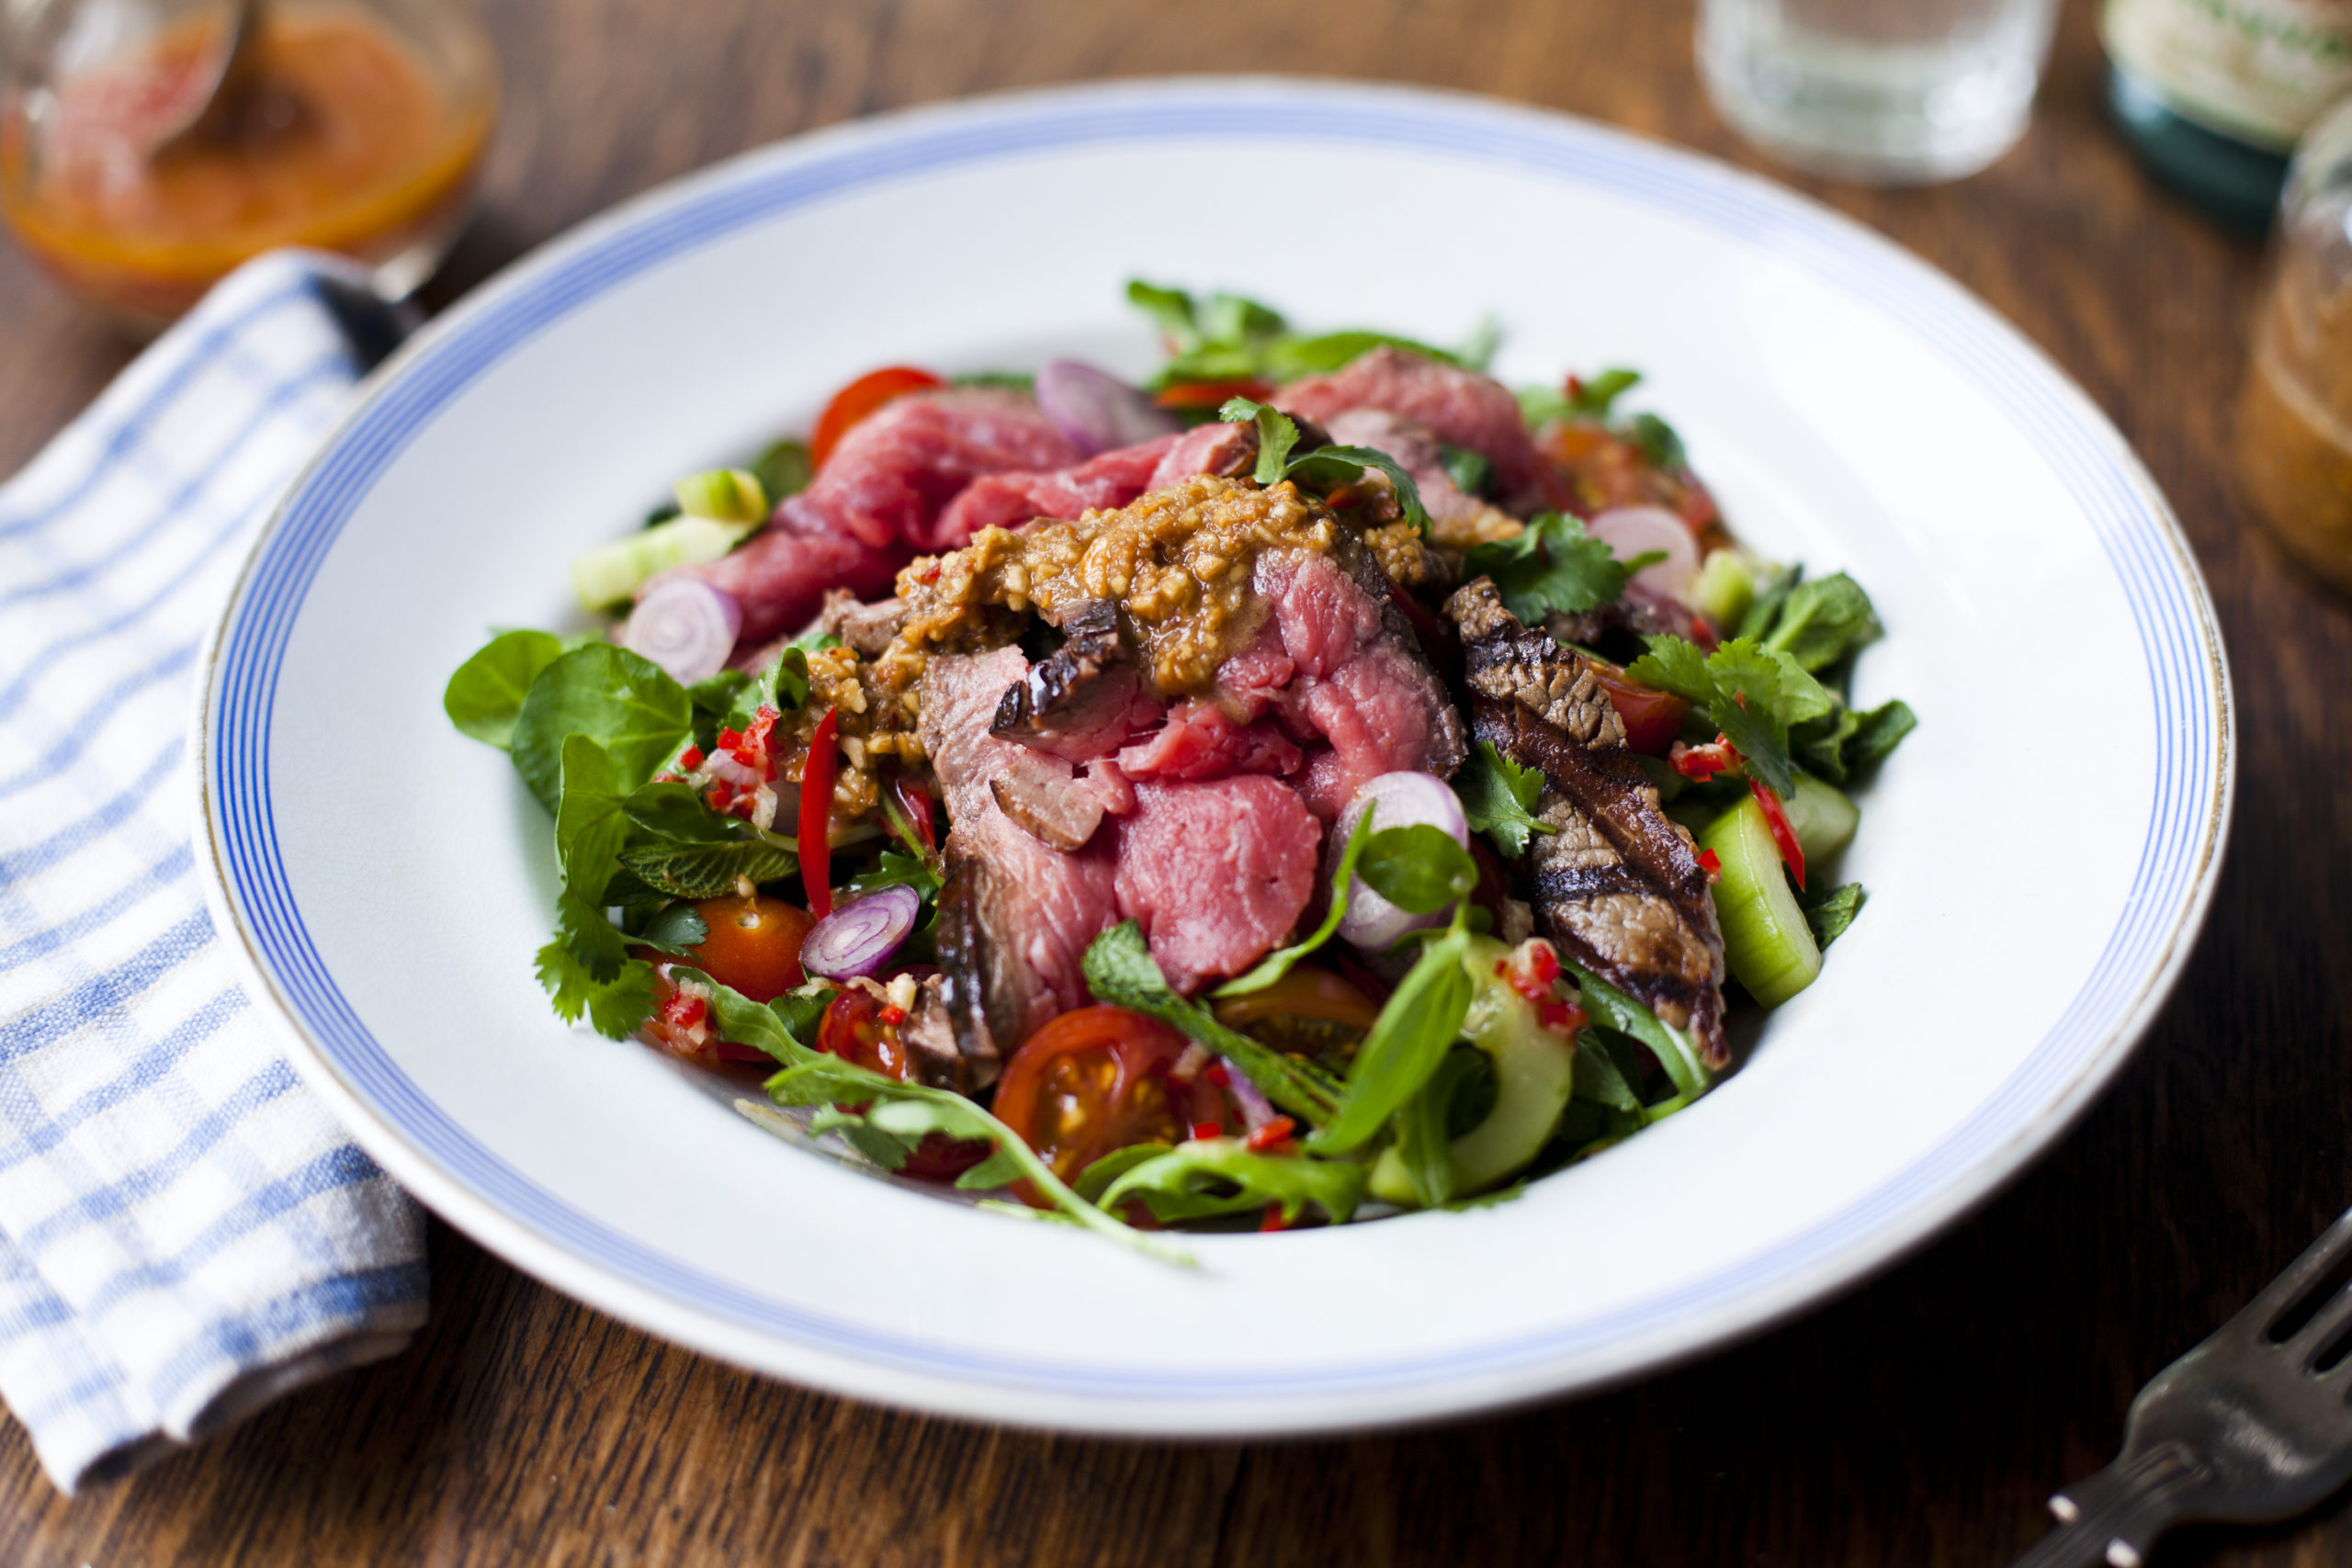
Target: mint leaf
[[707, 871], [1499, 797], [485, 695], [624, 703], [1551, 565]]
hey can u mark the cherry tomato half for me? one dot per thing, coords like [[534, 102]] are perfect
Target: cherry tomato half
[[752, 945], [1090, 1082], [854, 1029], [1652, 718], [860, 398]]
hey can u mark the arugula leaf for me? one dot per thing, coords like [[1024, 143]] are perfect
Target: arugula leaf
[[1420, 869], [1224, 1175], [1879, 732], [1277, 433], [1331, 466], [621, 701], [1274, 965], [1831, 910], [1415, 1029], [1096, 1179], [1121, 970], [676, 811], [756, 1024], [486, 693], [1499, 797], [1469, 470], [1821, 620], [1552, 564], [708, 871], [1612, 1009]]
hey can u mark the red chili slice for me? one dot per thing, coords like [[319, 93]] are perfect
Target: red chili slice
[[816, 813], [1776, 817]]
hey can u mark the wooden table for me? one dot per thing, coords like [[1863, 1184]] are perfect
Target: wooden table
[[1920, 1419]]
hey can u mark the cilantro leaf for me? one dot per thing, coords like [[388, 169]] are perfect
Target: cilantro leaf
[[485, 695], [616, 1005], [1752, 694], [1277, 433], [1552, 564], [1499, 797], [1831, 910], [1582, 399], [1330, 467], [1676, 666]]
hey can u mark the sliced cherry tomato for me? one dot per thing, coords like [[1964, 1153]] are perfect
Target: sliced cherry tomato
[[1089, 1082], [1213, 394], [817, 814], [752, 945], [856, 1028], [859, 398], [1652, 718]]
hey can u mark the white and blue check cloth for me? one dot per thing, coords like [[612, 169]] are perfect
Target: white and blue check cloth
[[185, 1233]]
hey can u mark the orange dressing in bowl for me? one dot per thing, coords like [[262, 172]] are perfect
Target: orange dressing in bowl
[[366, 153]]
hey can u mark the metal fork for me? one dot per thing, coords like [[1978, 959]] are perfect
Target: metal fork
[[2253, 1425]]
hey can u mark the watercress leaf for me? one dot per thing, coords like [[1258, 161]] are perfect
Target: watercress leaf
[[1661, 447], [1328, 468], [624, 703], [1121, 970], [1170, 309], [707, 871], [589, 826], [1676, 666], [1420, 869], [1469, 470], [677, 928], [1499, 798], [1822, 621], [1612, 1009], [1277, 433], [486, 693], [674, 811], [1878, 732], [1420, 1022], [1830, 910], [1552, 564], [1224, 1175], [1274, 965]]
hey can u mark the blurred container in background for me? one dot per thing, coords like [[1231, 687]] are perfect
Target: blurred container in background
[[2213, 94], [1898, 92], [358, 130], [2295, 415]]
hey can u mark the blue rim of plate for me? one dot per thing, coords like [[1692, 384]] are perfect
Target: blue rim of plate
[[2186, 805]]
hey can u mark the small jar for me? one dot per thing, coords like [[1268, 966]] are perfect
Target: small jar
[[2295, 414], [356, 127]]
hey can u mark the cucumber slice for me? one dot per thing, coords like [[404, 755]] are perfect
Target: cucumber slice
[[1824, 818], [1534, 1075], [1724, 590], [612, 574], [1766, 940]]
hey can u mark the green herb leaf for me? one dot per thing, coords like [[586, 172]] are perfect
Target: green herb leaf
[[1274, 965], [1612, 1009], [677, 928], [1469, 470], [589, 826], [1172, 309], [1121, 970], [707, 871], [486, 694], [1096, 1179], [892, 869], [783, 684], [783, 469], [1424, 1127], [1223, 1176], [1499, 797], [757, 1024], [1821, 745], [1551, 565], [1880, 731], [1753, 694], [1287, 358], [1328, 468], [618, 699], [1277, 433], [1831, 910], [1420, 1023], [1592, 399], [1659, 444], [615, 1006], [676, 811], [1420, 869], [1822, 621]]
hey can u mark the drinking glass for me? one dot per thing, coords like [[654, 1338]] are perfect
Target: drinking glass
[[1893, 92]]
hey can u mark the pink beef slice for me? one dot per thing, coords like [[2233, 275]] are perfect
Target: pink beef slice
[[1460, 406], [1216, 873], [1006, 501], [1017, 915], [1201, 740], [878, 500], [1227, 450]]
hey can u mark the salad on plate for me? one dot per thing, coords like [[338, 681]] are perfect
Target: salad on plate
[[1315, 784]]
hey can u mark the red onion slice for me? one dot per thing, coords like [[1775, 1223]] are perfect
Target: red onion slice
[[1097, 411], [685, 626], [860, 937], [1395, 800], [1255, 1109], [1630, 531]]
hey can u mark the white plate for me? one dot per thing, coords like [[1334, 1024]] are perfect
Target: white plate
[[2037, 853]]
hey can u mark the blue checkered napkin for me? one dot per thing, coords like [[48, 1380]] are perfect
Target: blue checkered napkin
[[184, 1232]]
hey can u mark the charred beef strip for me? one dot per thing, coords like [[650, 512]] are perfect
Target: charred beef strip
[[1618, 884], [1085, 698]]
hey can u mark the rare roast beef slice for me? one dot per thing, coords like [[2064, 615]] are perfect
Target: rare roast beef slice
[[1016, 914], [1215, 873], [1618, 884], [1006, 501], [1460, 406]]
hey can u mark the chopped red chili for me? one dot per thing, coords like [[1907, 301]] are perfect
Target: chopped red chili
[[1208, 1129], [1784, 835], [1274, 1134], [816, 813]]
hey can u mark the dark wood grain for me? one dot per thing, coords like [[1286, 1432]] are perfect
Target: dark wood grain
[[1921, 1419]]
